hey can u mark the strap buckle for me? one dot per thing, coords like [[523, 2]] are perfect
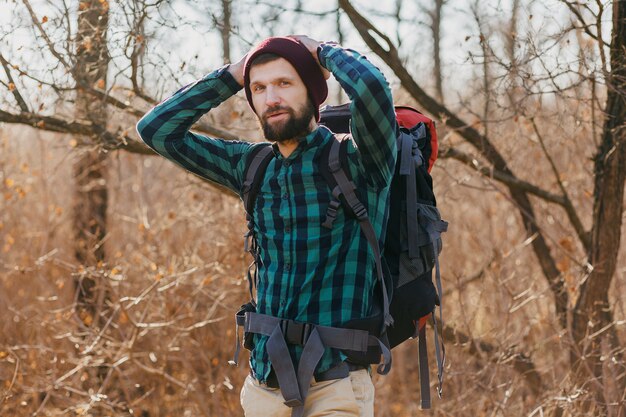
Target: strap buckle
[[293, 403], [296, 333], [360, 211]]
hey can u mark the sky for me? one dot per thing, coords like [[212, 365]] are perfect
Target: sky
[[191, 47]]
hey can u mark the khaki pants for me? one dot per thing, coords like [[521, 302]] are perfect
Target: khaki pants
[[350, 396]]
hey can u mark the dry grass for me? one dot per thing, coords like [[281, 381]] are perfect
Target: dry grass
[[174, 278]]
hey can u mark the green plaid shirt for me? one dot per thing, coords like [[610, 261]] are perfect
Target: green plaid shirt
[[307, 273]]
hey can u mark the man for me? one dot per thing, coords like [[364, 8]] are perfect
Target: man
[[306, 273]]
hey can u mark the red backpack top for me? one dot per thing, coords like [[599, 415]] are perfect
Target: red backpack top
[[408, 117]]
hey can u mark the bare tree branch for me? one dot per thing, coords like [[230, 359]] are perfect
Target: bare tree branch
[[137, 37], [509, 180], [389, 54], [584, 236], [44, 35], [583, 24], [109, 140], [521, 362], [14, 91]]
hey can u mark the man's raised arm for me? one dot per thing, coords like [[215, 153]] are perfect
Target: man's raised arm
[[166, 128], [373, 123]]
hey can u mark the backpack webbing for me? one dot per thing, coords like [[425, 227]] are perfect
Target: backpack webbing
[[260, 158], [411, 157], [294, 384], [344, 191]]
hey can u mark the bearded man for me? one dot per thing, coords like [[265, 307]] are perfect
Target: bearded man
[[307, 274]]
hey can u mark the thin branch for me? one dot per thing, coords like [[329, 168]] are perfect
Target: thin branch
[[603, 59], [584, 25], [44, 35], [462, 282], [521, 362], [503, 177], [585, 237], [139, 45], [15, 91]]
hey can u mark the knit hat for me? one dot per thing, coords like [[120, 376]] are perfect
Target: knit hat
[[299, 56]]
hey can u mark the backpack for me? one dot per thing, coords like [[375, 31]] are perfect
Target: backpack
[[405, 296]]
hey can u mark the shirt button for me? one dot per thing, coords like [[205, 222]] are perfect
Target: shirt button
[[287, 163], [287, 229], [285, 196], [287, 267]]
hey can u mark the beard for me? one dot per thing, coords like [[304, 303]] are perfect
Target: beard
[[294, 126]]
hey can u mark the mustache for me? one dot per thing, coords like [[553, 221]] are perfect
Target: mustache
[[276, 109]]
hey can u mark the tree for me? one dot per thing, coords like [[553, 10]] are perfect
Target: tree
[[586, 315], [90, 169]]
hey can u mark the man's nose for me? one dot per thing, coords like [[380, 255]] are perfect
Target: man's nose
[[271, 96]]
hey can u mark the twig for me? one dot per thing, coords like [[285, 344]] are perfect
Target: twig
[[17, 367], [500, 176], [584, 236], [16, 93], [44, 35]]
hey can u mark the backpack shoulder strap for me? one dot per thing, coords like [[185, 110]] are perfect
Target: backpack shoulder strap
[[257, 163], [342, 186]]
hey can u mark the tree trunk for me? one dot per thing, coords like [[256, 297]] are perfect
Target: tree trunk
[[510, 46], [592, 319], [389, 53], [90, 170], [226, 28], [436, 30], [340, 39]]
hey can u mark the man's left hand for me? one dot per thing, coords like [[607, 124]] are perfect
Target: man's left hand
[[311, 45]]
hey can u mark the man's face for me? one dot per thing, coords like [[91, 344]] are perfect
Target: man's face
[[280, 99]]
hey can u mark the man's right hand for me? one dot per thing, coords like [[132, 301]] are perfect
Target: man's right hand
[[236, 70]]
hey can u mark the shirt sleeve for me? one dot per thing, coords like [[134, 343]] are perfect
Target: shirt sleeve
[[166, 129], [373, 122]]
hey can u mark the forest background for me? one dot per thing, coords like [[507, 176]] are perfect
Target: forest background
[[120, 273]]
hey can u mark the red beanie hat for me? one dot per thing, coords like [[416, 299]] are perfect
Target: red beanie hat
[[299, 56]]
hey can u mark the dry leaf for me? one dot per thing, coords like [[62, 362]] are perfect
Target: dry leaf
[[87, 319], [123, 318], [11, 86], [44, 19], [100, 84], [567, 244]]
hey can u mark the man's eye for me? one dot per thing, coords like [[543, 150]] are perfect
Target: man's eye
[[285, 83], [258, 88]]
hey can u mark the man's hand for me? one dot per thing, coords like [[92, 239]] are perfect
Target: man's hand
[[311, 45], [236, 69]]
